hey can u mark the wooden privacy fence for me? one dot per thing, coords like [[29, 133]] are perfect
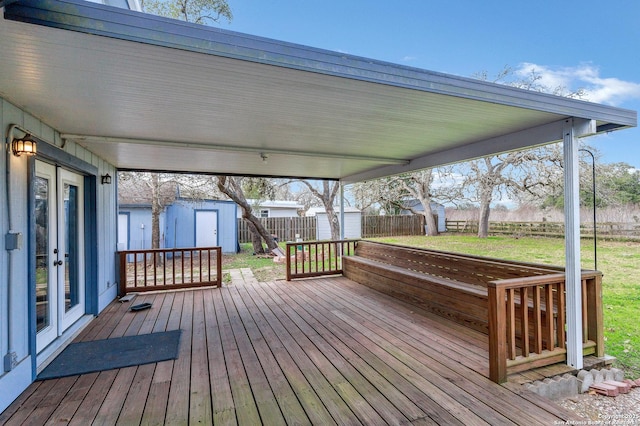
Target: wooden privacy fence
[[316, 258], [285, 228], [392, 226], [168, 269]]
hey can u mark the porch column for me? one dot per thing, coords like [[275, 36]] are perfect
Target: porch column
[[341, 210], [572, 245]]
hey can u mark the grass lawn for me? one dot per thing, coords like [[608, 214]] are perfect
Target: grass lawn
[[618, 261]]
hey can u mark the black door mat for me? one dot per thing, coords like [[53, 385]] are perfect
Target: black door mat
[[98, 355]]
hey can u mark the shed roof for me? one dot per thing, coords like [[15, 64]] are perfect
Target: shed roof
[[151, 93]]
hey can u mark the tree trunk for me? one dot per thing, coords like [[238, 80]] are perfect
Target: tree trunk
[[334, 222], [231, 187], [483, 220], [430, 222]]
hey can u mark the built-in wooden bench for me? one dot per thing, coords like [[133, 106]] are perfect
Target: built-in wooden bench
[[486, 295], [450, 285]]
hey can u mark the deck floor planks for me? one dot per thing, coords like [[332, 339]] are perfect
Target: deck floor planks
[[222, 398], [243, 400], [377, 377], [308, 352], [466, 406], [357, 392], [200, 391], [178, 403], [327, 394], [497, 397], [88, 408], [398, 379], [314, 408], [72, 400], [290, 406], [265, 400], [450, 411]]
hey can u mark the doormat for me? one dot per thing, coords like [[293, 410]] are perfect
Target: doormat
[[108, 354]]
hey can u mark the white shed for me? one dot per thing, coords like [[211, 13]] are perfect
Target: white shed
[[352, 222]]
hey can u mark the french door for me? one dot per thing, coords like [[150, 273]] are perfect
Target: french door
[[59, 218]]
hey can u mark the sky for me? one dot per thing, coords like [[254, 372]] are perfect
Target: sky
[[576, 44]]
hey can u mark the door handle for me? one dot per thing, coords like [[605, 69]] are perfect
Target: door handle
[[57, 263]]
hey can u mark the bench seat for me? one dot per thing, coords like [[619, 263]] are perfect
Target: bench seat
[[459, 301]]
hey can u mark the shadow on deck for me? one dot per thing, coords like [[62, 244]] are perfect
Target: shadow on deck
[[317, 351]]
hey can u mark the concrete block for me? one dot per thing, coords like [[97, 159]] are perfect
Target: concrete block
[[618, 375], [598, 376], [584, 381]]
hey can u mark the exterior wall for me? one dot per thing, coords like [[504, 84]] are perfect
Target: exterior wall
[[281, 212], [17, 299], [352, 225], [140, 227], [180, 223]]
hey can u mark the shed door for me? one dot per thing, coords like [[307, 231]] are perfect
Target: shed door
[[206, 228]]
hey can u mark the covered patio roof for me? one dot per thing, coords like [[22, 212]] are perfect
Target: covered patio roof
[[150, 93]]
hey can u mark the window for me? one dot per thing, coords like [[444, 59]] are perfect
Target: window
[[264, 212]]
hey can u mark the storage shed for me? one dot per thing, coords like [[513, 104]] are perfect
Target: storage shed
[[352, 222]]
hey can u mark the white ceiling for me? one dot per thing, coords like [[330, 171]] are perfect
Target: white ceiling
[[156, 94]]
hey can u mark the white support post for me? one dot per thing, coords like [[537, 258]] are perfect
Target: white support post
[[572, 246], [341, 210]]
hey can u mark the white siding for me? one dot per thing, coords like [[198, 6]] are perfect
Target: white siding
[[14, 303], [352, 228]]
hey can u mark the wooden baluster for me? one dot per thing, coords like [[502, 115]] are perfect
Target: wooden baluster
[[524, 320], [537, 320], [585, 324], [562, 315], [511, 323], [549, 313]]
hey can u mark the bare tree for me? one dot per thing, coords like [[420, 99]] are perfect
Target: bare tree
[[414, 192], [327, 194], [231, 186], [197, 11]]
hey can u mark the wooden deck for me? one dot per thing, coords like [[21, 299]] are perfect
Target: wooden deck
[[317, 351]]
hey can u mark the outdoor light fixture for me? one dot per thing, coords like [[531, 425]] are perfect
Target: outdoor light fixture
[[264, 157], [106, 179], [26, 145]]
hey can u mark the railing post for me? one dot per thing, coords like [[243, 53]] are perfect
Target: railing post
[[219, 265], [123, 274], [288, 262], [497, 333], [595, 325]]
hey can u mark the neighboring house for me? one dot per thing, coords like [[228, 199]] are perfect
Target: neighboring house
[[352, 222], [436, 208], [273, 208]]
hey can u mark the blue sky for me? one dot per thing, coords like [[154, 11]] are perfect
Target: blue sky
[[588, 44]]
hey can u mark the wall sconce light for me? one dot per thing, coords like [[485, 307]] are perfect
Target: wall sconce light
[[264, 156], [106, 179], [26, 145]]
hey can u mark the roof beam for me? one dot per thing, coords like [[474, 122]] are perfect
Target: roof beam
[[228, 148], [524, 139]]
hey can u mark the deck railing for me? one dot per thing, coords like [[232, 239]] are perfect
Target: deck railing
[[168, 269], [317, 258], [527, 320]]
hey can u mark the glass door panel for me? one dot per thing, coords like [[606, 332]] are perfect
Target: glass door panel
[[59, 218], [46, 262]]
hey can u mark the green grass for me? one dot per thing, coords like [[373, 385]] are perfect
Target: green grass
[[618, 261]]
